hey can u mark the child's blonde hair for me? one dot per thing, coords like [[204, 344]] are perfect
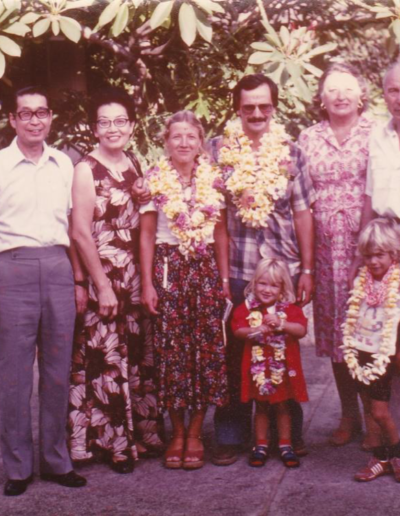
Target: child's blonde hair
[[382, 235], [278, 273]]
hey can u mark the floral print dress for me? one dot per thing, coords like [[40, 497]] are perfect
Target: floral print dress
[[113, 411], [338, 172]]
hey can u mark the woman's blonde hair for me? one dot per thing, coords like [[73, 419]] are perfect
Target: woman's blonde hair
[[278, 273], [380, 235]]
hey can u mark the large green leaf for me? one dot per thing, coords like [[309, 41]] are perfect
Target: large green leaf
[[161, 13], [30, 18], [55, 27], [395, 27], [302, 89], [17, 28], [70, 28], [294, 69], [204, 29], [41, 27], [2, 64], [78, 4], [285, 35], [264, 47], [12, 4], [187, 23], [121, 20], [109, 13], [312, 69], [322, 49], [209, 6], [9, 47], [259, 58]]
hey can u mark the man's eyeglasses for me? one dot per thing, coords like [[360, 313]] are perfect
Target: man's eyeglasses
[[40, 113], [118, 122], [265, 109]]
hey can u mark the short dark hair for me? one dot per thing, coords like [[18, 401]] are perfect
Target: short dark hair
[[111, 95], [251, 82], [29, 90]]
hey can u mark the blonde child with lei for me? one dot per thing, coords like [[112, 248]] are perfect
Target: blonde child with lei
[[271, 367], [371, 340]]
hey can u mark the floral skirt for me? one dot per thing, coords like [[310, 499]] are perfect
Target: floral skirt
[[188, 339], [113, 411]]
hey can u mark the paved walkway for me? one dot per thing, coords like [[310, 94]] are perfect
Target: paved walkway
[[322, 486]]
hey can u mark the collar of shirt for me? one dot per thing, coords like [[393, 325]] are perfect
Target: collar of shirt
[[16, 156]]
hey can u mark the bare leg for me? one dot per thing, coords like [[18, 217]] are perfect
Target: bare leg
[[174, 453], [374, 432], [382, 417], [194, 450], [261, 422], [284, 423], [350, 422]]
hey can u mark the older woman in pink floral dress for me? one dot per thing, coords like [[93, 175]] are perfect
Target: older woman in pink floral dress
[[336, 152]]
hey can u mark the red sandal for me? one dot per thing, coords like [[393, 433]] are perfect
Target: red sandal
[[193, 459], [173, 457]]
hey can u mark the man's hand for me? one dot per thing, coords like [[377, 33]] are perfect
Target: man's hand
[[140, 192], [108, 302], [81, 299], [305, 289]]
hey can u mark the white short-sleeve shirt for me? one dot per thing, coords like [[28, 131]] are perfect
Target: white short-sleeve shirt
[[35, 198], [383, 175]]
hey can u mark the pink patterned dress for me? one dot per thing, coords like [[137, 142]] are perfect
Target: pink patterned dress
[[338, 172]]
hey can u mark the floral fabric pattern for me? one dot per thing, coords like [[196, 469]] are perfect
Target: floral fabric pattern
[[338, 173], [188, 340], [112, 394]]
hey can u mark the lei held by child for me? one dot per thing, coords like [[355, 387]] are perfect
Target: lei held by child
[[192, 214], [387, 296], [267, 384], [255, 180]]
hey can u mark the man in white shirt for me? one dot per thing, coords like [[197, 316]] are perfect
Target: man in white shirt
[[37, 305], [383, 176]]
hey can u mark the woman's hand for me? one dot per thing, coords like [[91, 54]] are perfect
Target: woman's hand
[[149, 299], [81, 299], [108, 302], [140, 192]]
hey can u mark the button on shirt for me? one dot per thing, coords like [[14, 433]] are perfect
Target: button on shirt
[[35, 198], [383, 175]]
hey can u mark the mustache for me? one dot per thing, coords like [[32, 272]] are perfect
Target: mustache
[[255, 119]]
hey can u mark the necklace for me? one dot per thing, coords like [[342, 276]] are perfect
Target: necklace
[[388, 296], [255, 180], [259, 363], [191, 213]]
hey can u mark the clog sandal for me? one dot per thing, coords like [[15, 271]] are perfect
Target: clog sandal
[[173, 457], [288, 457], [259, 456], [193, 459]]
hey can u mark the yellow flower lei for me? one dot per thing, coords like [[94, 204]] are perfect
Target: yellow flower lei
[[256, 180], [191, 221], [370, 372]]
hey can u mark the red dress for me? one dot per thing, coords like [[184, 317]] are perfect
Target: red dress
[[293, 385]]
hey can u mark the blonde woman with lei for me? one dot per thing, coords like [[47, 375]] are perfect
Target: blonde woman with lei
[[370, 347], [270, 324], [184, 255]]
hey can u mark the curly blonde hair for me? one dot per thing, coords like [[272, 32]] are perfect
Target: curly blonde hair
[[380, 235], [278, 273]]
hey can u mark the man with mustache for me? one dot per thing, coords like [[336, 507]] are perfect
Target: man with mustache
[[288, 235]]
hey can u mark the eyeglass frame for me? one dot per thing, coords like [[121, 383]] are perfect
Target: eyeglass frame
[[109, 122], [265, 109], [32, 114]]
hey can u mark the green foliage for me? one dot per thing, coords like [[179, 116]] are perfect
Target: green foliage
[[177, 54]]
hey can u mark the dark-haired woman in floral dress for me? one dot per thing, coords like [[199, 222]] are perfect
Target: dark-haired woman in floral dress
[[113, 414]]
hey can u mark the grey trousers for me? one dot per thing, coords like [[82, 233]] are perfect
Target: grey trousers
[[37, 309]]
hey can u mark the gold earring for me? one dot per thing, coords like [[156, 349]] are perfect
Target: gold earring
[[360, 104], [323, 105]]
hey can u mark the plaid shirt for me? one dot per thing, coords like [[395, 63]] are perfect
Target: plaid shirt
[[278, 240]]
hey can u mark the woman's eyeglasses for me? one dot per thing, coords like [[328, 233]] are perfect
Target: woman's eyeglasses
[[41, 114], [118, 122], [265, 109]]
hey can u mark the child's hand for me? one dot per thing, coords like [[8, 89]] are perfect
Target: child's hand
[[272, 320]]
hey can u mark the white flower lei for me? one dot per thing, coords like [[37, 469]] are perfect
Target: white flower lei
[[192, 220], [256, 180], [370, 372], [277, 368]]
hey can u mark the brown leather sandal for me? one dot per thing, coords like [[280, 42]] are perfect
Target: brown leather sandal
[[173, 457], [345, 433], [193, 459]]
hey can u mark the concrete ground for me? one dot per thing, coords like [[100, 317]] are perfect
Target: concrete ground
[[323, 484]]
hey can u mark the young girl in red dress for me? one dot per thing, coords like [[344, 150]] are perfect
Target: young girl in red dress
[[271, 368]]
